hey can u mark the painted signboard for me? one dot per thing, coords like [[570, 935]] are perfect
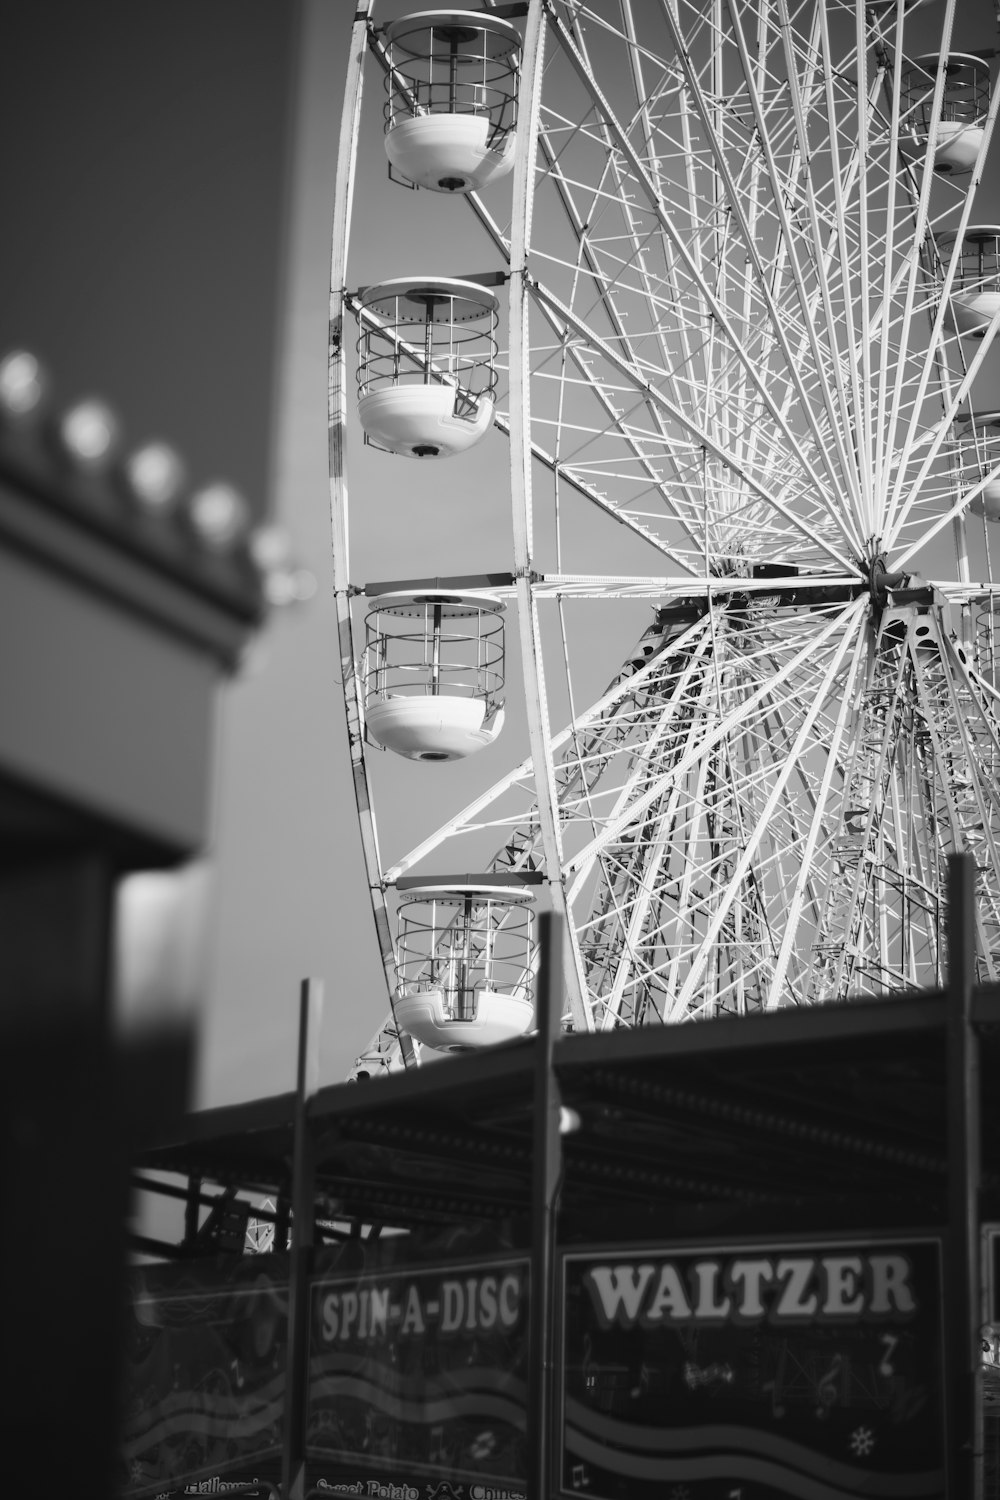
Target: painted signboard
[[753, 1372], [204, 1375], [417, 1380]]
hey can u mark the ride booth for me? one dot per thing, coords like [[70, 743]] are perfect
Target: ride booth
[[766, 1251]]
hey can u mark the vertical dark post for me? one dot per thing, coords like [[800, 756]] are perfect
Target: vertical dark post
[[547, 1164], [192, 1210], [293, 1459], [436, 651], [282, 1221], [962, 1289]]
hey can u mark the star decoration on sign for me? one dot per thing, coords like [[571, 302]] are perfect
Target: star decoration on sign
[[862, 1441]]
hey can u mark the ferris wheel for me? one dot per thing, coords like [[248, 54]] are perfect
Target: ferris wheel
[[735, 307]]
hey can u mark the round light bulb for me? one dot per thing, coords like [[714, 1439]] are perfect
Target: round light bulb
[[305, 585], [24, 385], [284, 586], [89, 433], [219, 515], [270, 548], [155, 476], [279, 587]]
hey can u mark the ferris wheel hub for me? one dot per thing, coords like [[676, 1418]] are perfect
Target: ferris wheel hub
[[881, 582]]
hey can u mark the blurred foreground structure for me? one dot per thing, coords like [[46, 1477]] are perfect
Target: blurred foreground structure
[[140, 260], [120, 618]]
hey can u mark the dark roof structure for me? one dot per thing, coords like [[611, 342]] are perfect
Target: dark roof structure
[[792, 1120]]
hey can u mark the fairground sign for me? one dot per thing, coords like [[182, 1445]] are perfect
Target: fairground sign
[[753, 1372], [417, 1381], [204, 1376]]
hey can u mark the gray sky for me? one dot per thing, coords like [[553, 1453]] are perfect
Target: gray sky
[[142, 264]]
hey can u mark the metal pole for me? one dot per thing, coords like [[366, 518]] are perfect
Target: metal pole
[[962, 1290], [293, 1457], [547, 1168], [436, 651], [192, 1208]]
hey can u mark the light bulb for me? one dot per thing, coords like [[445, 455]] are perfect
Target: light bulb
[[219, 515], [284, 586], [24, 385], [270, 548], [89, 433], [155, 476]]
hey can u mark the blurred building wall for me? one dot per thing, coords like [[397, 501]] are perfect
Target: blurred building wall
[[168, 184]]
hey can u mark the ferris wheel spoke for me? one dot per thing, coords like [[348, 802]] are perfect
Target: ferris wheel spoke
[[695, 429], [630, 947], [675, 721], [714, 735], [822, 817], [899, 509], [604, 284], [859, 162], [752, 843], [620, 920], [840, 406], [881, 322], [957, 509], [666, 223], [903, 370], [575, 476], [734, 205], [857, 849], [952, 720], [908, 505], [633, 443], [785, 191], [584, 224]]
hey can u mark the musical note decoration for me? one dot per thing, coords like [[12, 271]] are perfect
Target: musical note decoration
[[826, 1388]]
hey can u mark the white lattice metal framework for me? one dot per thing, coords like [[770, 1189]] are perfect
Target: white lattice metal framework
[[734, 389]]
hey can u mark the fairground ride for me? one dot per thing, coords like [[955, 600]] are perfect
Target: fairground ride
[[736, 289]]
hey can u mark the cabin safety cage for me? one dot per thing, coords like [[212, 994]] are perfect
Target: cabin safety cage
[[465, 959], [427, 365], [451, 107], [979, 435], [433, 673], [976, 291], [965, 106]]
